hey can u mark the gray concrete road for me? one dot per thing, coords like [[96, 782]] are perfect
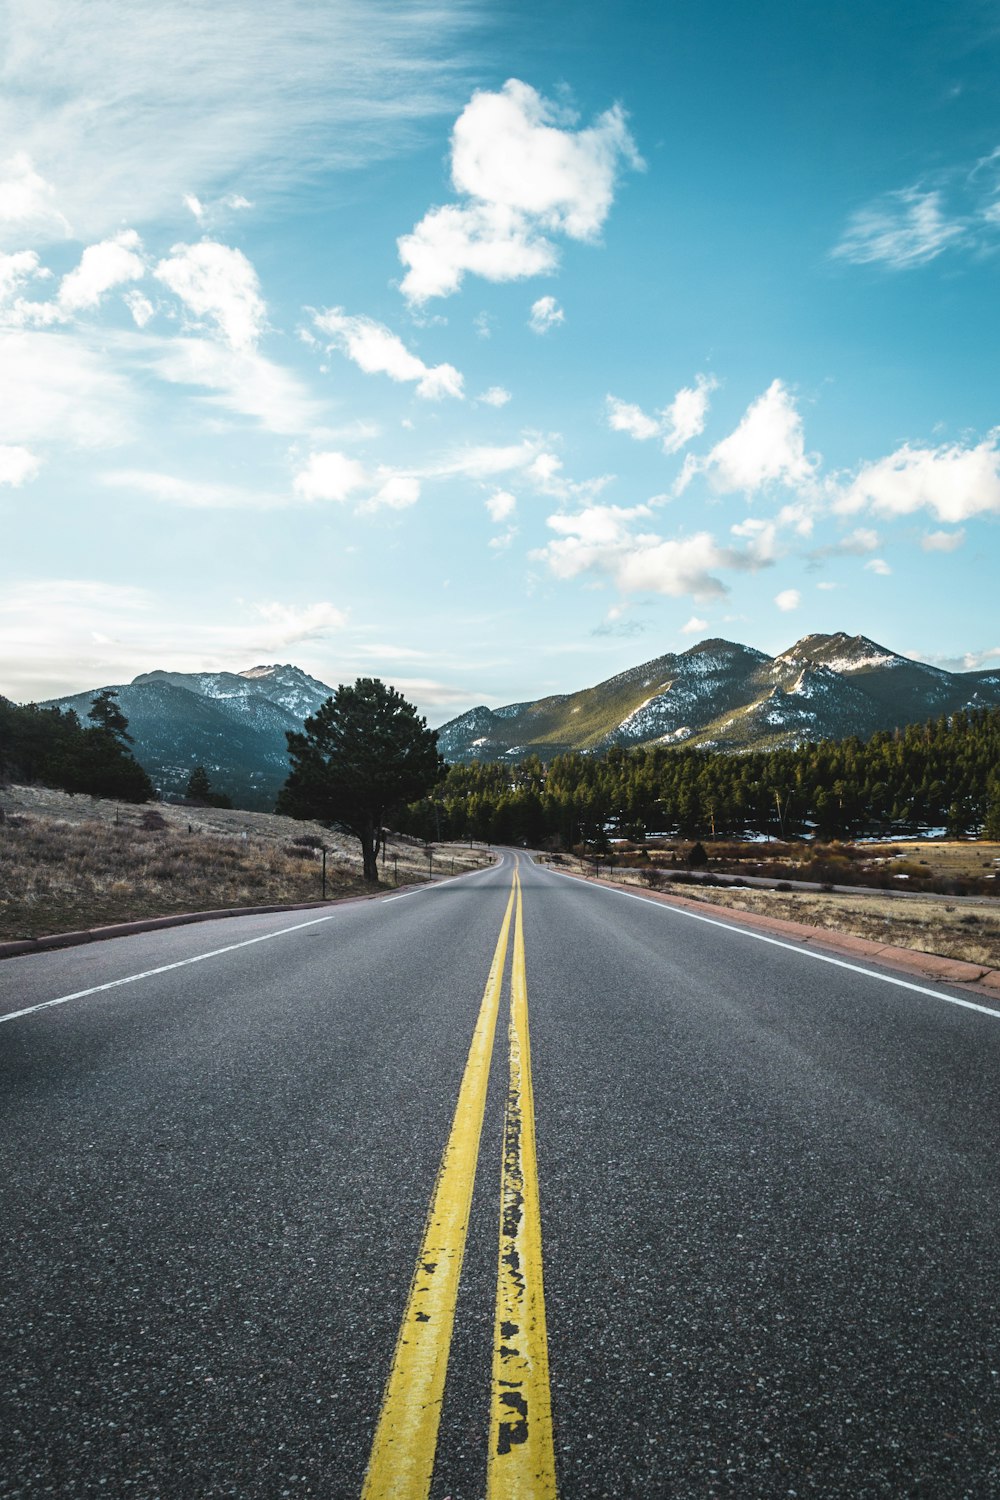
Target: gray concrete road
[[768, 1188]]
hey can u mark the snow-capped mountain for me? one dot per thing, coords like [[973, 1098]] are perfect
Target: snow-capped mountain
[[232, 723], [717, 694], [729, 697]]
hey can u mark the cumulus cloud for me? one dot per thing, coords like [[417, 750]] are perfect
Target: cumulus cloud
[[942, 541], [788, 599], [111, 263], [378, 351], [525, 174], [694, 626], [18, 466], [495, 396], [623, 416], [501, 505], [768, 447], [16, 270], [217, 282], [952, 481], [601, 539], [393, 492], [329, 476], [545, 315], [878, 565], [676, 425]]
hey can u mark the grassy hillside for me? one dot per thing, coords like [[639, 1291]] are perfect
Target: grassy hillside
[[69, 862]]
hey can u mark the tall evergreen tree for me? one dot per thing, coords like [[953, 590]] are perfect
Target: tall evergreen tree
[[361, 757]]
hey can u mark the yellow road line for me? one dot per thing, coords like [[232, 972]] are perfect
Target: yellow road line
[[521, 1462], [402, 1456]]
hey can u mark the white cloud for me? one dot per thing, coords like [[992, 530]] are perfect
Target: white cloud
[[394, 492], [57, 388], [193, 494], [501, 505], [676, 425], [623, 416], [495, 396], [878, 565], [247, 94], [61, 633], [16, 269], [907, 228], [18, 466], [483, 239], [329, 476], [140, 307], [486, 461], [694, 626], [109, 264], [217, 282], [600, 539], [684, 418], [288, 624], [27, 201], [524, 175], [788, 599], [942, 541], [766, 448], [240, 381], [545, 315], [378, 351], [953, 482]]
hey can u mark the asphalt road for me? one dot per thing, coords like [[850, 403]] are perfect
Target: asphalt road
[[768, 1190]]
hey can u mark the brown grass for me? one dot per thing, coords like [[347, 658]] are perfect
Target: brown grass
[[70, 862], [967, 929]]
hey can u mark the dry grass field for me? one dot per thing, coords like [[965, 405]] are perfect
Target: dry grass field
[[70, 862], [968, 929]]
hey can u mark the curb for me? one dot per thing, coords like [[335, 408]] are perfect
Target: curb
[[927, 965], [20, 946]]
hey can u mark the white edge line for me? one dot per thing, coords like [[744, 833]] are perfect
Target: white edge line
[[823, 958], [198, 958], [113, 984]]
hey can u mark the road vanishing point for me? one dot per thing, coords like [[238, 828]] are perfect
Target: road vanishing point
[[511, 1186]]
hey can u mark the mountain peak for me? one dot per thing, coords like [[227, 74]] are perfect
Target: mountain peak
[[840, 652]]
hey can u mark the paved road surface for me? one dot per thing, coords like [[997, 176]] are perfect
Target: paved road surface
[[767, 1188]]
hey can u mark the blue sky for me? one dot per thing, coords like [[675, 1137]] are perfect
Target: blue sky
[[493, 349]]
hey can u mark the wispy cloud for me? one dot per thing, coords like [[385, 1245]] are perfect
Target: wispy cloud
[[57, 633], [378, 351], [905, 229], [254, 99]]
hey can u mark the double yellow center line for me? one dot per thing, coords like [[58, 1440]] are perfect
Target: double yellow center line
[[521, 1457]]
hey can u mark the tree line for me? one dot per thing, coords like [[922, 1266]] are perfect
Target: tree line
[[941, 774], [53, 747]]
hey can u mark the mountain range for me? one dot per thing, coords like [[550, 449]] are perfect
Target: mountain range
[[718, 695], [232, 723], [724, 696]]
